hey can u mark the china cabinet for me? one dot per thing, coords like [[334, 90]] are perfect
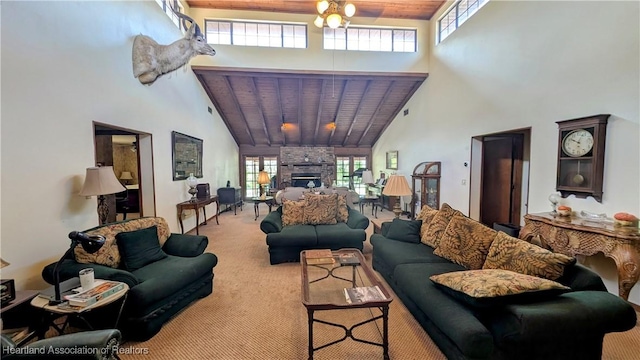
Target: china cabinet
[[425, 182]]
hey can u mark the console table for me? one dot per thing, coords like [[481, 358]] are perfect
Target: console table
[[578, 236], [196, 205]]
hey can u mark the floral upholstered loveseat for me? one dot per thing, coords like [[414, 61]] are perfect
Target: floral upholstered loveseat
[[173, 272]]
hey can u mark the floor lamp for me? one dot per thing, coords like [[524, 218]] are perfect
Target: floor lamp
[[101, 181], [397, 186]]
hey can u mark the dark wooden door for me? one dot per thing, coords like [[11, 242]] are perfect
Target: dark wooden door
[[500, 199]]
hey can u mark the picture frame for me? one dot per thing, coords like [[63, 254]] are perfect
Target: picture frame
[[186, 156], [392, 160]]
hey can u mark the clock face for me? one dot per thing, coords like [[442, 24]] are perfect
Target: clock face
[[577, 143]]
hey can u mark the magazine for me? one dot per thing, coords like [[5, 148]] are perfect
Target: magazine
[[348, 259], [95, 294], [363, 294]]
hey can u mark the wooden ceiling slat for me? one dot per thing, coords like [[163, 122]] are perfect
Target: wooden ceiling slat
[[254, 88], [217, 105], [375, 113], [414, 88], [340, 104], [315, 134], [237, 105], [358, 112], [279, 106]]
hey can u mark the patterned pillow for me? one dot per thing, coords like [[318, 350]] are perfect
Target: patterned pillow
[[109, 254], [292, 212], [343, 211], [438, 225], [466, 242], [509, 253], [496, 287], [426, 215], [320, 209]]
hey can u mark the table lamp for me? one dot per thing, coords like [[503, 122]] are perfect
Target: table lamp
[[125, 176], [101, 181], [263, 179], [90, 244], [367, 177], [397, 186], [192, 182]]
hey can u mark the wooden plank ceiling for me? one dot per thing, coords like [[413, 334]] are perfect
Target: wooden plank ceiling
[[320, 108], [269, 108]]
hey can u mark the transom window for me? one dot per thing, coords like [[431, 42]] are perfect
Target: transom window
[[166, 7], [370, 39], [256, 34], [458, 14]]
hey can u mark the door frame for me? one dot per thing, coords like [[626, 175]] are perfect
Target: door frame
[[475, 182]]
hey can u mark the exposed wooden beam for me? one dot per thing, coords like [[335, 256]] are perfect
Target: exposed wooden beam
[[375, 113], [239, 109], [284, 134], [320, 102], [358, 111], [414, 88], [217, 106], [254, 88], [335, 121]]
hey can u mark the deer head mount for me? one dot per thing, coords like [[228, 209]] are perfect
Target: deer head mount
[[152, 60]]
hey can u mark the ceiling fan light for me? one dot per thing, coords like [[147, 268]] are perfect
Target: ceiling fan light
[[319, 21], [334, 21], [321, 6], [349, 10]]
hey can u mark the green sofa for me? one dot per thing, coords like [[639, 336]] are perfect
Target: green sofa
[[569, 326], [286, 242], [158, 290]]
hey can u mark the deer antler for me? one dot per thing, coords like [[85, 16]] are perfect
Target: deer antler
[[184, 18]]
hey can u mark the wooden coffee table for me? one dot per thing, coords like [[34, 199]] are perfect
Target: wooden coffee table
[[323, 288]]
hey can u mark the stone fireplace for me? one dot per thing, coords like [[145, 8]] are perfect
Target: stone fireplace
[[299, 165]]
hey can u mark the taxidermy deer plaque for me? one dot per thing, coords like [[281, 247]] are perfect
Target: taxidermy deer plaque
[[152, 60]]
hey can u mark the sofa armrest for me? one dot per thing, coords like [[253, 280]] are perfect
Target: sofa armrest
[[272, 223], [69, 268], [357, 220], [185, 245], [580, 314], [105, 343], [384, 228], [579, 278]]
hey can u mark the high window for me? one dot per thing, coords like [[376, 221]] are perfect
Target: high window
[[456, 15], [370, 39], [166, 7], [256, 34]]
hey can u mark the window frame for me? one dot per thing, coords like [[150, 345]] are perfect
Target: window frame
[[331, 35], [457, 21], [284, 39]]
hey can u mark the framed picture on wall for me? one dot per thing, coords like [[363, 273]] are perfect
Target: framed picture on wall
[[187, 156], [392, 160]]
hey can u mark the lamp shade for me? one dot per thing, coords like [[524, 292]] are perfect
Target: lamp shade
[[101, 181], [397, 186], [367, 177], [126, 175], [334, 21], [321, 6], [349, 10], [263, 178]]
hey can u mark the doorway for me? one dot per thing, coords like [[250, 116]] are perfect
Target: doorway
[[129, 152], [500, 177]]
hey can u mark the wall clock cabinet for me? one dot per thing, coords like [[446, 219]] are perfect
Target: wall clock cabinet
[[581, 144], [425, 182]]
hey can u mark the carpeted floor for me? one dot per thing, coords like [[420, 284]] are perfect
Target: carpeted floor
[[255, 311]]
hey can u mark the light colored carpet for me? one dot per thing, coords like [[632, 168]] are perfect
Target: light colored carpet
[[255, 311]]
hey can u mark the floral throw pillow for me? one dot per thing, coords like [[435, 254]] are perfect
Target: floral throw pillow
[[509, 253], [320, 209], [496, 287], [292, 212], [343, 211], [466, 242], [438, 225], [426, 215]]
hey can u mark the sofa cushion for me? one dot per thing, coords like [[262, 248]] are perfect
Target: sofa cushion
[[496, 287], [292, 212], [139, 248], [165, 278], [339, 236], [509, 253], [403, 230], [466, 242], [438, 225], [320, 209], [109, 254], [394, 253], [343, 211], [294, 236], [456, 320]]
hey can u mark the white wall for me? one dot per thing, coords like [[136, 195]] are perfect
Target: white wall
[[529, 64], [65, 65]]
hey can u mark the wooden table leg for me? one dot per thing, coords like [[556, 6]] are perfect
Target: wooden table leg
[[180, 219], [197, 220], [204, 210], [310, 321], [627, 260], [217, 211], [385, 332]]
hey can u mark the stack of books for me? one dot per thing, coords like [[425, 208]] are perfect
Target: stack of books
[[319, 257], [100, 291]]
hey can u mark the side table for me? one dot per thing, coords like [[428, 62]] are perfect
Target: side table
[[16, 314], [52, 312], [257, 201], [196, 205]]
